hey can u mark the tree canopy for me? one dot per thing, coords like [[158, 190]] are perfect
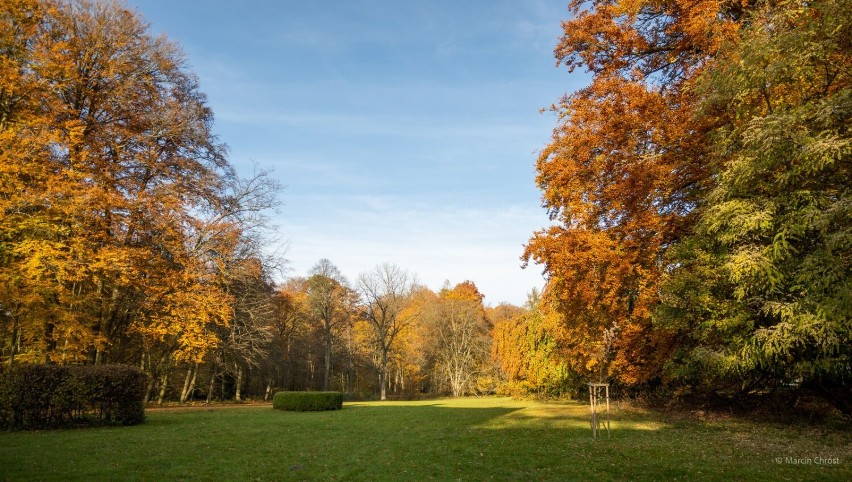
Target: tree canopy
[[699, 189]]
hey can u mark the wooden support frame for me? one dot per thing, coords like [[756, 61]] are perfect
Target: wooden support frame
[[598, 395]]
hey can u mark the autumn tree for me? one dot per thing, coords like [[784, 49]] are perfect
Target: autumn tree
[[456, 324], [385, 291], [332, 302], [527, 348], [291, 317], [761, 291], [120, 212], [623, 173], [357, 356]]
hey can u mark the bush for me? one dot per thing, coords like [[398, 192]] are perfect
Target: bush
[[49, 396], [35, 397], [112, 393], [307, 401]]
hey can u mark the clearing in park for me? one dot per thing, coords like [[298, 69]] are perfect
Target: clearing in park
[[457, 439]]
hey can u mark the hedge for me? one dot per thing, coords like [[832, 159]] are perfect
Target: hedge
[[50, 396], [307, 401]]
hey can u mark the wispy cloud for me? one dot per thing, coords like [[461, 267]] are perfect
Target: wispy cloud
[[436, 242], [405, 131]]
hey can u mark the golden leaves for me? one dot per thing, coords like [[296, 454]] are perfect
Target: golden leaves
[[112, 187]]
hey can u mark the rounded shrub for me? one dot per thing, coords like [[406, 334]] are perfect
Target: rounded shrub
[[307, 401]]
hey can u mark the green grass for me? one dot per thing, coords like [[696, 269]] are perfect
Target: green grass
[[466, 439]]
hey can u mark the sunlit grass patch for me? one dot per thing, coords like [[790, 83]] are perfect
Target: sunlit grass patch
[[569, 415]]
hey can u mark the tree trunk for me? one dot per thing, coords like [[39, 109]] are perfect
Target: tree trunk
[[151, 382], [185, 385], [192, 382], [164, 382], [383, 376], [268, 390], [222, 387], [153, 372], [151, 378], [239, 382], [188, 383], [327, 361], [212, 385], [14, 344]]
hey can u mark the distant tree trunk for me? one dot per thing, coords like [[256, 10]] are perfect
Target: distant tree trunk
[[151, 382], [164, 382], [185, 388], [383, 376], [239, 384], [327, 359], [153, 372], [14, 343], [212, 385], [188, 383], [268, 389], [151, 379], [191, 390], [222, 385]]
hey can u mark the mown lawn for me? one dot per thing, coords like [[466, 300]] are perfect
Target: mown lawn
[[466, 439]]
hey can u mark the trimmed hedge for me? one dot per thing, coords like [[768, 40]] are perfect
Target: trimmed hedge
[[307, 401], [50, 396]]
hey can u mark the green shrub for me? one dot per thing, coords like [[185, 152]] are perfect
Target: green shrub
[[111, 394], [307, 401], [35, 396], [49, 396]]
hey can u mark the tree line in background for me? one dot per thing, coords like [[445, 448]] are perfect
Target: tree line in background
[[127, 237], [698, 188], [700, 193]]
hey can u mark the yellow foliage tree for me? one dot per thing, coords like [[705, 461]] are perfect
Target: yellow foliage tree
[[120, 213]]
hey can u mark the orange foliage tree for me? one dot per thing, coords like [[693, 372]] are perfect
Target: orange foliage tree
[[621, 177], [121, 216]]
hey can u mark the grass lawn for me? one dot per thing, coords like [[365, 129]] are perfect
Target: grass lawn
[[464, 439]]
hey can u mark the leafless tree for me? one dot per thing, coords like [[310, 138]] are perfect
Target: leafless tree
[[331, 301], [385, 292], [459, 333]]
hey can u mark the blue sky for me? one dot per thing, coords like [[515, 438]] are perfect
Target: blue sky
[[403, 131]]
